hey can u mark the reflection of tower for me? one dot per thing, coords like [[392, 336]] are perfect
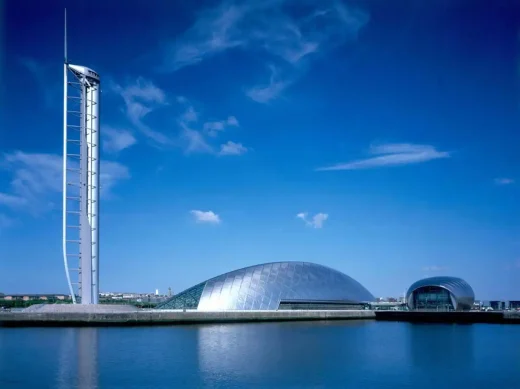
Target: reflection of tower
[[81, 178], [78, 361], [66, 359], [87, 357]]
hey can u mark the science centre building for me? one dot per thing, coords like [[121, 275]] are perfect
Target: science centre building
[[446, 293], [274, 286]]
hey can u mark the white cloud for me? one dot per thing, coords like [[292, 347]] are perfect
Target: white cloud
[[232, 121], [267, 26], [316, 221], [232, 148], [392, 155], [111, 173], [266, 93], [37, 178], [206, 217], [116, 139], [141, 98], [504, 181], [196, 140], [213, 128], [190, 115]]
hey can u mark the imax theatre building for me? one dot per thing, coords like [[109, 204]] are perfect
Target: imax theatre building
[[440, 293]]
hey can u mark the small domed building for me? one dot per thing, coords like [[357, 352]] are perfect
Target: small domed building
[[440, 293]]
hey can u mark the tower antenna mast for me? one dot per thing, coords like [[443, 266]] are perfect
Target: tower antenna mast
[[65, 36]]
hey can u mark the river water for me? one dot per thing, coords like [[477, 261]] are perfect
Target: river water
[[352, 354]]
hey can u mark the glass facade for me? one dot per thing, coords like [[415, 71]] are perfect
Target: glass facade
[[440, 293], [263, 287], [320, 305], [189, 299], [432, 297]]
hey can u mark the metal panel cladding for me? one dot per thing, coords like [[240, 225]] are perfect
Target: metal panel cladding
[[262, 287], [461, 292]]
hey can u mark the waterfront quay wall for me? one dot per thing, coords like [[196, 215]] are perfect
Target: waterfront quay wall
[[105, 317], [147, 318], [463, 317]]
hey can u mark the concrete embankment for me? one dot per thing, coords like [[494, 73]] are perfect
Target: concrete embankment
[[450, 317], [150, 317]]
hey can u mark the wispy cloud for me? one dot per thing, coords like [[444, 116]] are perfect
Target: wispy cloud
[[116, 140], [40, 73], [111, 174], [206, 217], [141, 98], [193, 134], [213, 128], [270, 26], [195, 142], [316, 221], [504, 181], [37, 178], [392, 155], [264, 93], [197, 138], [232, 148], [435, 268], [12, 200]]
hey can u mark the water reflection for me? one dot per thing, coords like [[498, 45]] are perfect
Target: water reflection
[[270, 355], [78, 358], [442, 345], [87, 358], [258, 354], [65, 360], [441, 352]]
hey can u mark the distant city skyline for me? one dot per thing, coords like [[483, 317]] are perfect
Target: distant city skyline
[[377, 138]]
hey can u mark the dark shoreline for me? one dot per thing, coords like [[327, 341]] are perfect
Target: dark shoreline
[[471, 317], [154, 318]]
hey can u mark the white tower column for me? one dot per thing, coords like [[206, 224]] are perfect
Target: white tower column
[[81, 176]]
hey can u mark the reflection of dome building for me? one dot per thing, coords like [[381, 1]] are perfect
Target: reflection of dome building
[[272, 286], [446, 293]]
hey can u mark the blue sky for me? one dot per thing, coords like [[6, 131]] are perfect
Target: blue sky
[[378, 138]]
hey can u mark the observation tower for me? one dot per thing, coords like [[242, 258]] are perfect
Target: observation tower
[[81, 180]]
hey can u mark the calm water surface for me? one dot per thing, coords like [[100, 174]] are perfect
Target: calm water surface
[[272, 355]]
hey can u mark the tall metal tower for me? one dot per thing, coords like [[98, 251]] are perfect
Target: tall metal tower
[[81, 180]]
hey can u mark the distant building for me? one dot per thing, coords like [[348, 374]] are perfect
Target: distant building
[[440, 293], [27, 297], [497, 305], [514, 304]]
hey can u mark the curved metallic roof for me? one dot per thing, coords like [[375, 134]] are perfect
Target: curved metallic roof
[[262, 287], [460, 290]]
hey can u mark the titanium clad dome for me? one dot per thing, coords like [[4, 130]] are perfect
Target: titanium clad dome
[[460, 292], [265, 286]]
